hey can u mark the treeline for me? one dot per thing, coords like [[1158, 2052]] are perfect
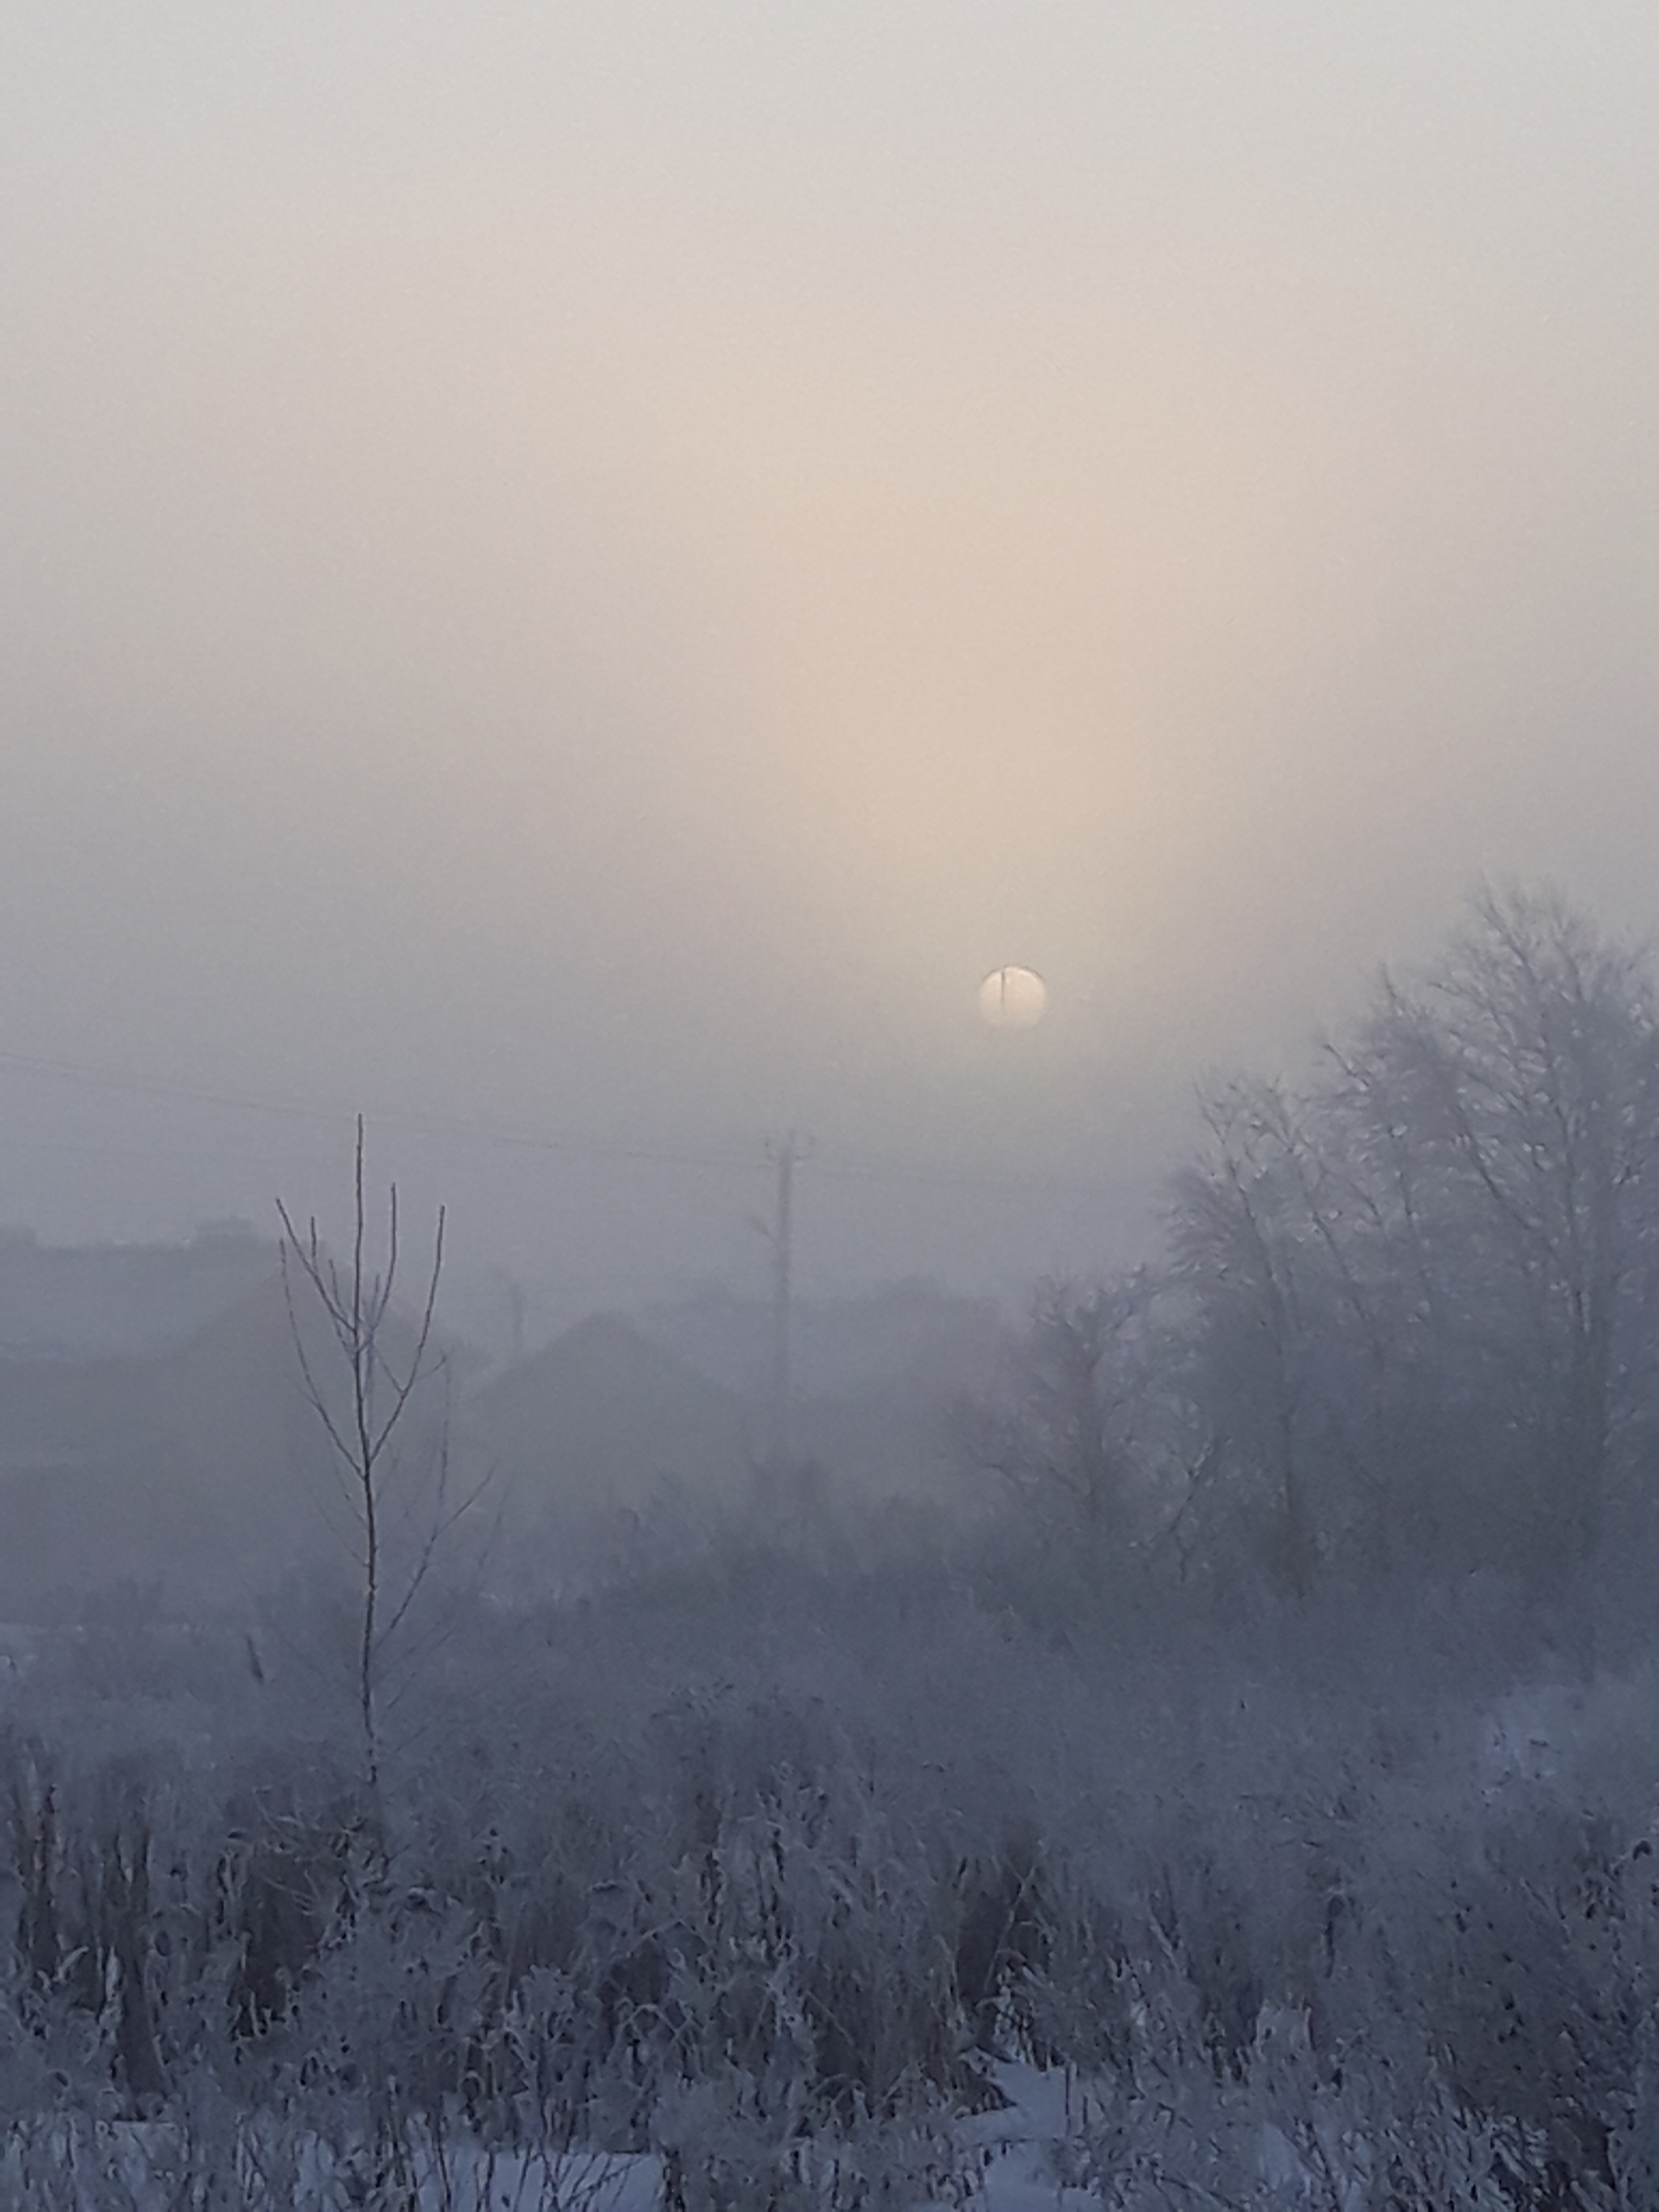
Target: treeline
[[1270, 1764], [1405, 1323]]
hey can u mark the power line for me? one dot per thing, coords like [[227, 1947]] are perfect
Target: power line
[[318, 1110], [476, 1131]]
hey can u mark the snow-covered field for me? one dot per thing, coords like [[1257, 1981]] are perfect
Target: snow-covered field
[[1057, 2143]]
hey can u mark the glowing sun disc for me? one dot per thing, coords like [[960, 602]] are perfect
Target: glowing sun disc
[[1013, 998]]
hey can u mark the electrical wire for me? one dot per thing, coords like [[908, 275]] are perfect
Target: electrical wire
[[475, 1130]]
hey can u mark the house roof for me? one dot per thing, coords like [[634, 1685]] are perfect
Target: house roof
[[122, 1301]]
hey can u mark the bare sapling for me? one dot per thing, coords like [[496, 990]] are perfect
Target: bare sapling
[[366, 1402]]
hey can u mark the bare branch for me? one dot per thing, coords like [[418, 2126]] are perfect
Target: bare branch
[[357, 1306]]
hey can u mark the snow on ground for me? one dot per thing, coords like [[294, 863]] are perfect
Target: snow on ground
[[1014, 2160], [1025, 2145]]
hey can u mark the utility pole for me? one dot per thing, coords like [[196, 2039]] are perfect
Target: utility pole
[[785, 1154]]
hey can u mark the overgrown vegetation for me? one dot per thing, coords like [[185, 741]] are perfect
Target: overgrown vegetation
[[1271, 1773]]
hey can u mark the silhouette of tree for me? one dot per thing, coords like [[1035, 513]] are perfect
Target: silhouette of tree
[[1424, 1289], [394, 1480]]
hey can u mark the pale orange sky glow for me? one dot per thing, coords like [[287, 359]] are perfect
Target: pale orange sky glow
[[598, 571]]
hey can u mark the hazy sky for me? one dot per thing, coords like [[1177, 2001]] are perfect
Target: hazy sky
[[587, 569]]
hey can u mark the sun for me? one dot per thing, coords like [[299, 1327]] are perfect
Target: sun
[[1013, 998]]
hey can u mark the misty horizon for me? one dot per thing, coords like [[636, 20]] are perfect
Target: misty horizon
[[586, 580], [626, 1226]]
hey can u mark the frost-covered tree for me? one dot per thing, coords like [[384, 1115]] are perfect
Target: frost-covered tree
[[367, 1370], [1060, 1436], [1244, 1251], [1500, 1123], [1422, 1288]]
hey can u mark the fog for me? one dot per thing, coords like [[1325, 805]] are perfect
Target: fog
[[581, 575], [573, 581]]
